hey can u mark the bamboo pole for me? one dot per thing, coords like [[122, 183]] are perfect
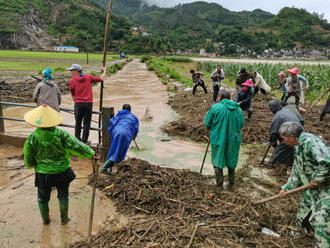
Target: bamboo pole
[[106, 38]]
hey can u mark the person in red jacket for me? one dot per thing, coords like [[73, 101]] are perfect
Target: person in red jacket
[[82, 94]]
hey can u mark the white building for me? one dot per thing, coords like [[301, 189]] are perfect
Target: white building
[[66, 49]]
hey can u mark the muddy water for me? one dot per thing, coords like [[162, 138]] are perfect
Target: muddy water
[[142, 89], [20, 221]]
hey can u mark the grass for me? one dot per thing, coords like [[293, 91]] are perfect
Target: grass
[[37, 61], [166, 70], [31, 66], [51, 55]]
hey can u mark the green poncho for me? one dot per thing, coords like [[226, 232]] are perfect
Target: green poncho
[[48, 150], [225, 119], [312, 162]]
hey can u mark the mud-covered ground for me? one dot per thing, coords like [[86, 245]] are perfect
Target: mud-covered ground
[[171, 208], [192, 110]]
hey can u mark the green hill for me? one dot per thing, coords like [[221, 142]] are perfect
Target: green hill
[[72, 22], [40, 24], [208, 25]]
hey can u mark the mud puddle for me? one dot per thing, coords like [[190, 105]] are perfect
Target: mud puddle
[[20, 221]]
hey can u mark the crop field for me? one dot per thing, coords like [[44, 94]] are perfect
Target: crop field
[[318, 76]]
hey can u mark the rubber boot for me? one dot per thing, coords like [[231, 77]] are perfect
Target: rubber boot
[[64, 208], [106, 165], [219, 177], [44, 212], [231, 175]]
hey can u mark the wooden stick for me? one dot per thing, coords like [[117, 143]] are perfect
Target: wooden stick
[[194, 128], [207, 148], [192, 236], [106, 38], [91, 213], [288, 192], [263, 159], [317, 101], [136, 144]]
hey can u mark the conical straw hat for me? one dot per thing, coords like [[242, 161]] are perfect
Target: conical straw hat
[[43, 116]]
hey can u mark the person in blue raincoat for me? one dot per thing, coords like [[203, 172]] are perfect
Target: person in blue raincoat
[[124, 127]]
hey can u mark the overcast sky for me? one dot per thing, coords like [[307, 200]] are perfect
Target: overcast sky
[[319, 6]]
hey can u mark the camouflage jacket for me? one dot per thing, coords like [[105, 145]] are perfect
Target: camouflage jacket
[[312, 162]]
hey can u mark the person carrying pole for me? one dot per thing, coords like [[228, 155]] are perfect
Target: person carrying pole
[[47, 150], [311, 166], [225, 121], [326, 108], [124, 128], [282, 156], [294, 86], [216, 76], [47, 92], [82, 94], [197, 81]]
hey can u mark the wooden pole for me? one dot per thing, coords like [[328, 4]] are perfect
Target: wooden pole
[[91, 212], [288, 192], [106, 38]]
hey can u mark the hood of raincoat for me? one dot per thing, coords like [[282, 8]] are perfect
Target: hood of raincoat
[[274, 106], [230, 104], [45, 136]]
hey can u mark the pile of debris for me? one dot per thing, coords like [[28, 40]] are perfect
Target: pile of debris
[[22, 91], [180, 208]]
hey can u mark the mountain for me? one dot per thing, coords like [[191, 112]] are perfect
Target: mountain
[[136, 27], [41, 24]]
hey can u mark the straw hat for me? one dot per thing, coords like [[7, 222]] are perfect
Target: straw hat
[[43, 116]]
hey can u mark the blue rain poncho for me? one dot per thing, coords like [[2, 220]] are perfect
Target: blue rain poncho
[[123, 129]]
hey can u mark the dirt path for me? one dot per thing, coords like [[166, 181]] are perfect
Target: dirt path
[[256, 61]]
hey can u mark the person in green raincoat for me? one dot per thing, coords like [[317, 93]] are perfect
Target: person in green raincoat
[[311, 166], [47, 150], [225, 121]]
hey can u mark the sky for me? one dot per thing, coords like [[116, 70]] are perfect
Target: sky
[[319, 6]]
